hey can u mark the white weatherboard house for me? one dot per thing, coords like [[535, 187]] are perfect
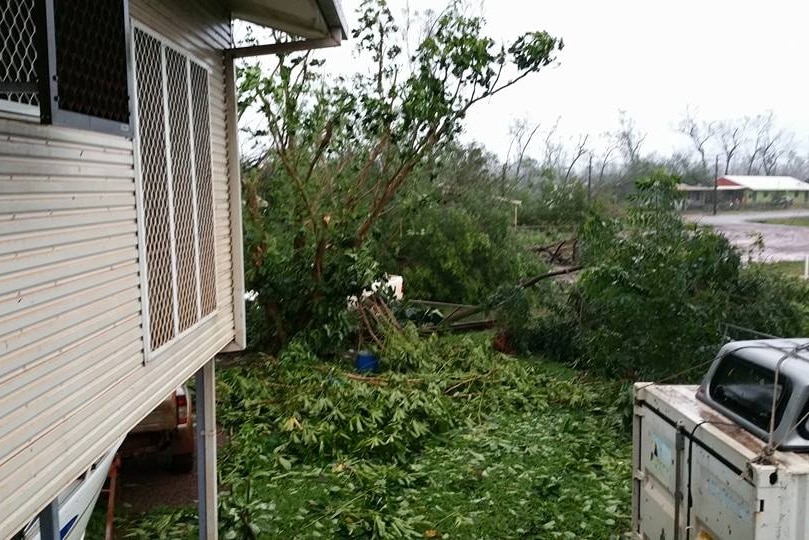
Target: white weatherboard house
[[120, 223]]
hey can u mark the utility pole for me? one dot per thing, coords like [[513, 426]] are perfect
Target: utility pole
[[715, 184], [590, 178]]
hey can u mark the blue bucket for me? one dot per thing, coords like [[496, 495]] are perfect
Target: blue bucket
[[366, 362]]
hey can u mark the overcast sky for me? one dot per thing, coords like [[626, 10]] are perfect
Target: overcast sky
[[723, 58]]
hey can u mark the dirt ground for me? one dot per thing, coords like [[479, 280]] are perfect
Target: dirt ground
[[781, 242], [147, 482]]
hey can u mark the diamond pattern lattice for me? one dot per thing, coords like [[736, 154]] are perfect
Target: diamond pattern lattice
[[183, 182], [175, 152], [152, 137], [17, 51], [202, 149]]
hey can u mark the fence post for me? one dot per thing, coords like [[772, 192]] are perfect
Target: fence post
[[806, 267]]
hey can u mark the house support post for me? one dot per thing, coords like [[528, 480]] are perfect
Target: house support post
[[206, 452], [49, 522]]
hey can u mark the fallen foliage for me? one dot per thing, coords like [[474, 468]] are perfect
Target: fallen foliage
[[449, 440]]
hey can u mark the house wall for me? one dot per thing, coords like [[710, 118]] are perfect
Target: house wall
[[768, 198], [73, 371]]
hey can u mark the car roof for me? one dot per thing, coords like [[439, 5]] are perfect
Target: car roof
[[768, 352]]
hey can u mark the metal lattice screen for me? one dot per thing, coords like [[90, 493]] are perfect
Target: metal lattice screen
[[181, 163], [175, 156], [202, 140], [154, 173], [18, 52]]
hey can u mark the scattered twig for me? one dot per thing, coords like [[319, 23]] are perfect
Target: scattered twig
[[376, 381], [468, 381], [361, 309], [534, 280], [467, 396]]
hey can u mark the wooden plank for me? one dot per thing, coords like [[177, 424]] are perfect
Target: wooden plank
[[55, 221], [76, 154], [16, 301], [34, 260], [62, 327], [61, 391], [13, 204], [35, 314], [89, 349], [22, 185], [33, 351], [20, 244], [56, 168], [34, 130], [431, 303], [58, 271]]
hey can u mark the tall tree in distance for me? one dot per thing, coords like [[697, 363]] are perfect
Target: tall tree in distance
[[732, 136], [579, 150], [629, 139], [522, 133], [699, 134]]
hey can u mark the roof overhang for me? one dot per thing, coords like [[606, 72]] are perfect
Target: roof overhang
[[311, 19]]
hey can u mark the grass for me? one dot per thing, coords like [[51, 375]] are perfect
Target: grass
[[792, 268], [540, 456], [802, 221], [539, 236]]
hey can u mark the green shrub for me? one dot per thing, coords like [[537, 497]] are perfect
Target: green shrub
[[769, 301], [656, 293], [458, 253], [552, 203]]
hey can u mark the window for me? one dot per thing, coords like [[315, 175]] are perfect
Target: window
[[747, 390], [175, 163], [68, 61], [18, 55]]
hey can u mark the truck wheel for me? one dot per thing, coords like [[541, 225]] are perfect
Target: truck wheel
[[182, 463]]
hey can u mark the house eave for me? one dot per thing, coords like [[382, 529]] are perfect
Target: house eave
[[310, 19]]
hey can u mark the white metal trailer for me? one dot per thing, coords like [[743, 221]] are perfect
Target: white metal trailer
[[699, 476]]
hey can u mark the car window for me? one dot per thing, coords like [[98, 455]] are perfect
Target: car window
[[747, 390]]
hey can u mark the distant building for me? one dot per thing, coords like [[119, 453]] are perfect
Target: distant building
[[747, 191]]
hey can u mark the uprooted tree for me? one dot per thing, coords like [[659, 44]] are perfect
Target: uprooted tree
[[339, 151]]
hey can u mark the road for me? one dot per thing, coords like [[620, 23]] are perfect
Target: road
[[781, 242]]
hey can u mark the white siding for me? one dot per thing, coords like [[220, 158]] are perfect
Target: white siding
[[72, 372]]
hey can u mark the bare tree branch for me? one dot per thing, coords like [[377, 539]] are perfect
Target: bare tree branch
[[731, 138], [699, 133], [581, 149], [629, 139]]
